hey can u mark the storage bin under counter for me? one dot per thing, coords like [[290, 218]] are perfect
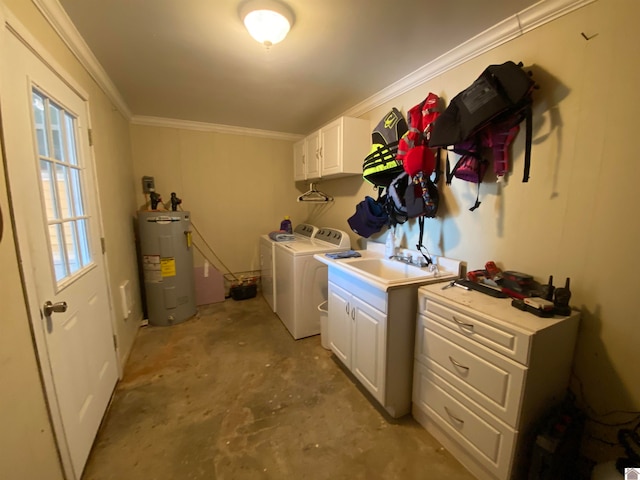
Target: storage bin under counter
[[485, 373]]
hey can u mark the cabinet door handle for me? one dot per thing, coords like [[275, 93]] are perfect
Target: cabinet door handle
[[458, 364], [347, 308], [453, 417], [462, 324], [353, 314]]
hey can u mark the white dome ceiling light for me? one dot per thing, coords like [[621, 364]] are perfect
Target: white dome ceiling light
[[268, 21]]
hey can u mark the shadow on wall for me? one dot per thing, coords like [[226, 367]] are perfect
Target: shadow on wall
[[592, 360], [335, 213], [143, 294], [317, 210], [547, 124], [338, 187], [546, 99]]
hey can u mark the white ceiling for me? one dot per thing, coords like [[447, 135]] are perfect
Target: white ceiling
[[193, 60]]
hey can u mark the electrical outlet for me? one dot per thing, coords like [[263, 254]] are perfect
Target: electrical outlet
[[148, 184]]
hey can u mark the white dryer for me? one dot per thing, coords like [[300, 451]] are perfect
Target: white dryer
[[302, 280], [302, 232]]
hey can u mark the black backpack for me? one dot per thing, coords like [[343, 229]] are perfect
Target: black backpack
[[485, 116], [395, 203]]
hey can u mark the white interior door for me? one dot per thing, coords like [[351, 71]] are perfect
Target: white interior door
[[55, 206]]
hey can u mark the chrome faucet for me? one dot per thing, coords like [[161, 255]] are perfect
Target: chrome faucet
[[402, 258], [417, 261]]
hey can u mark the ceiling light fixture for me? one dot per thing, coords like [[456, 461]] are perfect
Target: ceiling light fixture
[[268, 21]]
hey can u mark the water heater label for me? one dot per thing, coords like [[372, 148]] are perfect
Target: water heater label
[[163, 219], [168, 267], [151, 268]]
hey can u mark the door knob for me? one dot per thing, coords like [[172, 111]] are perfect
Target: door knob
[[50, 308]]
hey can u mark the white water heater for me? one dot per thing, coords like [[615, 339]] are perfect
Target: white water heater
[[167, 266]]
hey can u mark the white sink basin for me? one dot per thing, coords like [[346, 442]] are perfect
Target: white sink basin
[[389, 271], [385, 273]]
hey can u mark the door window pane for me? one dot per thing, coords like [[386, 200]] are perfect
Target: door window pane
[[61, 179], [76, 188], [40, 126], [64, 194], [57, 253], [56, 131], [83, 240], [71, 245], [48, 190], [71, 139]]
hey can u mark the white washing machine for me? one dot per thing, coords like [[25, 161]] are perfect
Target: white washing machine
[[302, 232], [302, 280]]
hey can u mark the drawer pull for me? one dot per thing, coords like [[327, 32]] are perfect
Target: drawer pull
[[462, 324], [457, 364], [453, 417]]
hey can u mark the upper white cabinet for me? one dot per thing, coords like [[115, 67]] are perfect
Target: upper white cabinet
[[336, 150], [299, 160], [306, 158]]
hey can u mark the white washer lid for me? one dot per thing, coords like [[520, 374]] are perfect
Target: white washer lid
[[325, 240]]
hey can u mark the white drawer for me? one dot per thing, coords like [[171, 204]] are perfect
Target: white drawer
[[481, 328], [488, 440], [490, 379]]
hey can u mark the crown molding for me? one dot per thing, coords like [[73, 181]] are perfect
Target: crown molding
[[212, 127], [512, 27], [66, 30], [546, 11]]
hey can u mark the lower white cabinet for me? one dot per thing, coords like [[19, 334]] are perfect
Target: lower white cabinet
[[371, 331], [357, 336], [485, 374]]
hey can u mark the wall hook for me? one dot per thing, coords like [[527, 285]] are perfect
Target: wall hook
[[586, 37]]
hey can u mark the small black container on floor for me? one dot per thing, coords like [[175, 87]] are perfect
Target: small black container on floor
[[242, 292]]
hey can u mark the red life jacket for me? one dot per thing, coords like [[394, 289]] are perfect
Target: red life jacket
[[413, 149]]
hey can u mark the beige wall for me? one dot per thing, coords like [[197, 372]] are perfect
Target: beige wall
[[235, 186], [27, 448]]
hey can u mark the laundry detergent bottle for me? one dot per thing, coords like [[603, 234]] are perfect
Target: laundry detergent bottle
[[285, 225]]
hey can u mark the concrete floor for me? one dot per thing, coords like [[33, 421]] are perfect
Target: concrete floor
[[230, 395]]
